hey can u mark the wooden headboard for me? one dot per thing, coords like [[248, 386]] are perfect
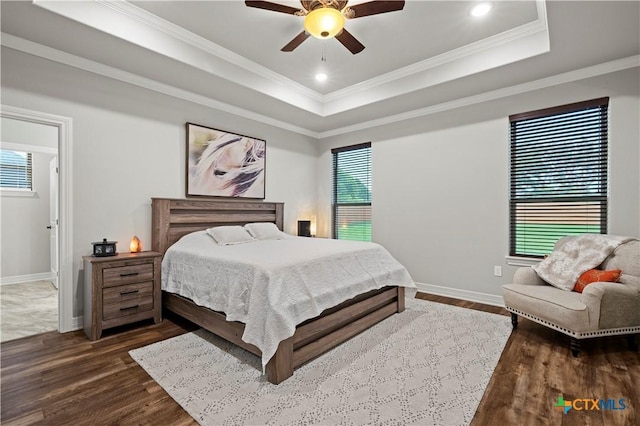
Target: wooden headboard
[[173, 218]]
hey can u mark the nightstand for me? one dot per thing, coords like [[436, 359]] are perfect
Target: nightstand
[[120, 290]]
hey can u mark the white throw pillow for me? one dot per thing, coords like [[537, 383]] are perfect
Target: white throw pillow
[[226, 235], [264, 231]]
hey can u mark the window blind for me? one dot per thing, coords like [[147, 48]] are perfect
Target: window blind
[[558, 182], [15, 169], [351, 199]]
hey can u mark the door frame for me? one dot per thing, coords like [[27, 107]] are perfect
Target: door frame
[[54, 220], [66, 320]]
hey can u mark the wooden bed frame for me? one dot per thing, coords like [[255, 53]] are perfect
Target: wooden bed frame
[[173, 218]]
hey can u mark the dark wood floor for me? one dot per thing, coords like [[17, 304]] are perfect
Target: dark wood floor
[[536, 367], [53, 379]]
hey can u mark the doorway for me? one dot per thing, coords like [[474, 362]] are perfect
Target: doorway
[[28, 290], [59, 218]]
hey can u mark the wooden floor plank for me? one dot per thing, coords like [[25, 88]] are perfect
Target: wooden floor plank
[[53, 378]]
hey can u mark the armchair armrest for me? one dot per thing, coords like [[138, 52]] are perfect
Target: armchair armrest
[[612, 305], [527, 276]]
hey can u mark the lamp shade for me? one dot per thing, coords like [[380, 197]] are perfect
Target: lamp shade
[[324, 22]]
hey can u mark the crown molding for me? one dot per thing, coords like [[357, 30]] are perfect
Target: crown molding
[[94, 67], [55, 55], [568, 77]]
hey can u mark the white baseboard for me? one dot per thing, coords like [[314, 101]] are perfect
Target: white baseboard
[[456, 293], [17, 279]]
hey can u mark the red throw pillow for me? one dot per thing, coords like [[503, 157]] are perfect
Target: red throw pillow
[[596, 276]]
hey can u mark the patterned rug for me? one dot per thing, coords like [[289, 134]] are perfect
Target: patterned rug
[[428, 365]]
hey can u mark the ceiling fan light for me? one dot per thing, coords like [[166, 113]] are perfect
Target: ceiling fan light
[[324, 22]]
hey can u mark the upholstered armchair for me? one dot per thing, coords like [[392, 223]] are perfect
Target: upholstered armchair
[[602, 309]]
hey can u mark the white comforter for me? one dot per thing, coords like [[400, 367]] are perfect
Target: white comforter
[[273, 285]]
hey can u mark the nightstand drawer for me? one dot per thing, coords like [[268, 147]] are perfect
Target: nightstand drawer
[[128, 307], [127, 274], [126, 293]]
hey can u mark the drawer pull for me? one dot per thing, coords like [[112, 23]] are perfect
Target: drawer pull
[[129, 307], [123, 293], [130, 274]]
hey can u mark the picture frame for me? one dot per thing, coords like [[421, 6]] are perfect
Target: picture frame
[[224, 164]]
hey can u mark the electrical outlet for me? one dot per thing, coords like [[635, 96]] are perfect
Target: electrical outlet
[[497, 271]]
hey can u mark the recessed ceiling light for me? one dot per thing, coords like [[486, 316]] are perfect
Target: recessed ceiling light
[[321, 77], [481, 9]]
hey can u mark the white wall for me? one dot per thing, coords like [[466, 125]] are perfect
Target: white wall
[[129, 146], [440, 182], [24, 242], [25, 132]]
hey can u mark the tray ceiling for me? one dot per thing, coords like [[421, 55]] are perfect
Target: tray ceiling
[[226, 55]]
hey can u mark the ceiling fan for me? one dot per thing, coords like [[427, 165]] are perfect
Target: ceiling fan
[[325, 19]]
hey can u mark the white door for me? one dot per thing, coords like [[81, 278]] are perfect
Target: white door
[[53, 217]]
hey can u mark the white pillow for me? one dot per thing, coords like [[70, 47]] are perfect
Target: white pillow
[[264, 231], [226, 235]]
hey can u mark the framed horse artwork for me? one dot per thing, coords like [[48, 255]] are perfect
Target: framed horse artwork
[[224, 164]]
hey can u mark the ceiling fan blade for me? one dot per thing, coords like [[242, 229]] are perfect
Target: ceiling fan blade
[[267, 5], [297, 41], [350, 42], [374, 8]]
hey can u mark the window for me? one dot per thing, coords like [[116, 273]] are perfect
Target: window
[[351, 200], [15, 170], [558, 175]]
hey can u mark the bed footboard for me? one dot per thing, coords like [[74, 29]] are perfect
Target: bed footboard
[[312, 338]]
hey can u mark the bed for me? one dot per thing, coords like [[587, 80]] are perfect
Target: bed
[[174, 218]]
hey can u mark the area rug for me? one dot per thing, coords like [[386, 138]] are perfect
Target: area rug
[[428, 365]]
